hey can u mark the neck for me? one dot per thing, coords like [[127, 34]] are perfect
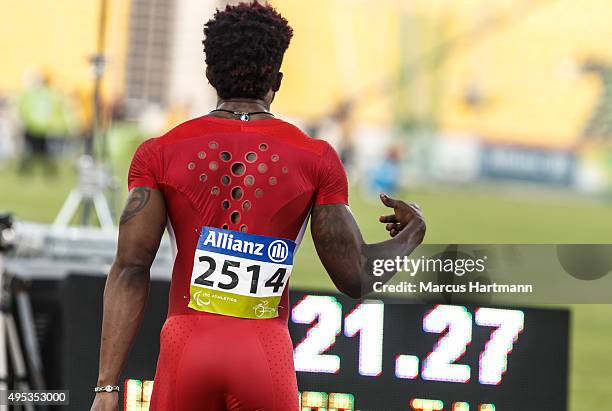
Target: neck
[[243, 104]]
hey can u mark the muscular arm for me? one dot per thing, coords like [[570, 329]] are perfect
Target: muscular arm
[[127, 286], [343, 252]]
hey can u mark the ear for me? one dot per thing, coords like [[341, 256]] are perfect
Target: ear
[[277, 81]]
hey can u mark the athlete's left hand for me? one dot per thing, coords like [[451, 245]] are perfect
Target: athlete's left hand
[[403, 213]]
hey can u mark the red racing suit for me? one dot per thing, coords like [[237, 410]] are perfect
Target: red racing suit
[[257, 177]]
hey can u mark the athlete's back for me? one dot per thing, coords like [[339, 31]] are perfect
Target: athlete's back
[[235, 195], [225, 178]]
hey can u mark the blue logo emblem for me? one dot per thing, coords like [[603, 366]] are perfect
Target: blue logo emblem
[[278, 251]]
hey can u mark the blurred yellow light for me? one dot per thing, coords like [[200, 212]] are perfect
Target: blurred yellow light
[[314, 401], [426, 405], [341, 402], [461, 406], [137, 395]]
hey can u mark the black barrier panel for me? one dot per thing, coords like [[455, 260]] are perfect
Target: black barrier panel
[[69, 317], [402, 356]]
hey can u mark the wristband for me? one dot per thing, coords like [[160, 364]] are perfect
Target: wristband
[[107, 388]]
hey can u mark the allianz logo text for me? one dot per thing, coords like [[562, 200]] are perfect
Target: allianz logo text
[[277, 251]]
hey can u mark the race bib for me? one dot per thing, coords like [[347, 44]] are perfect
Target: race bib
[[239, 274]]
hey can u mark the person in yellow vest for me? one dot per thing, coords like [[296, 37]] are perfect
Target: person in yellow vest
[[45, 114]]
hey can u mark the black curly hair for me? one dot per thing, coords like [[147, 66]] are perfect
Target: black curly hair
[[244, 47]]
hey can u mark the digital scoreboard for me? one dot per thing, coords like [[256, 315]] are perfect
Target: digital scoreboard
[[387, 355]]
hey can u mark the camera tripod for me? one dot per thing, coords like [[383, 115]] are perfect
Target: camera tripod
[[13, 297], [93, 181]]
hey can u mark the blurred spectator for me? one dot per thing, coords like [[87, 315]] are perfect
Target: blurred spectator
[[123, 137], [599, 125], [386, 177], [45, 115], [342, 118], [337, 128], [343, 115]]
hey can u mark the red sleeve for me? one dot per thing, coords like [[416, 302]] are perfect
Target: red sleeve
[[333, 184], [145, 166]]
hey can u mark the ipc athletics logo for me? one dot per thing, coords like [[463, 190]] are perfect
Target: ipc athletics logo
[[278, 251]]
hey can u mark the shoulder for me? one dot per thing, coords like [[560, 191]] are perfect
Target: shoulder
[[156, 145], [148, 148], [302, 140]]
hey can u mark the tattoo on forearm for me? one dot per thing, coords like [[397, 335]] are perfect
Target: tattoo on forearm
[[138, 199]]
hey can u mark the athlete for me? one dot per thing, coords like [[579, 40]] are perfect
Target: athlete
[[234, 189]]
